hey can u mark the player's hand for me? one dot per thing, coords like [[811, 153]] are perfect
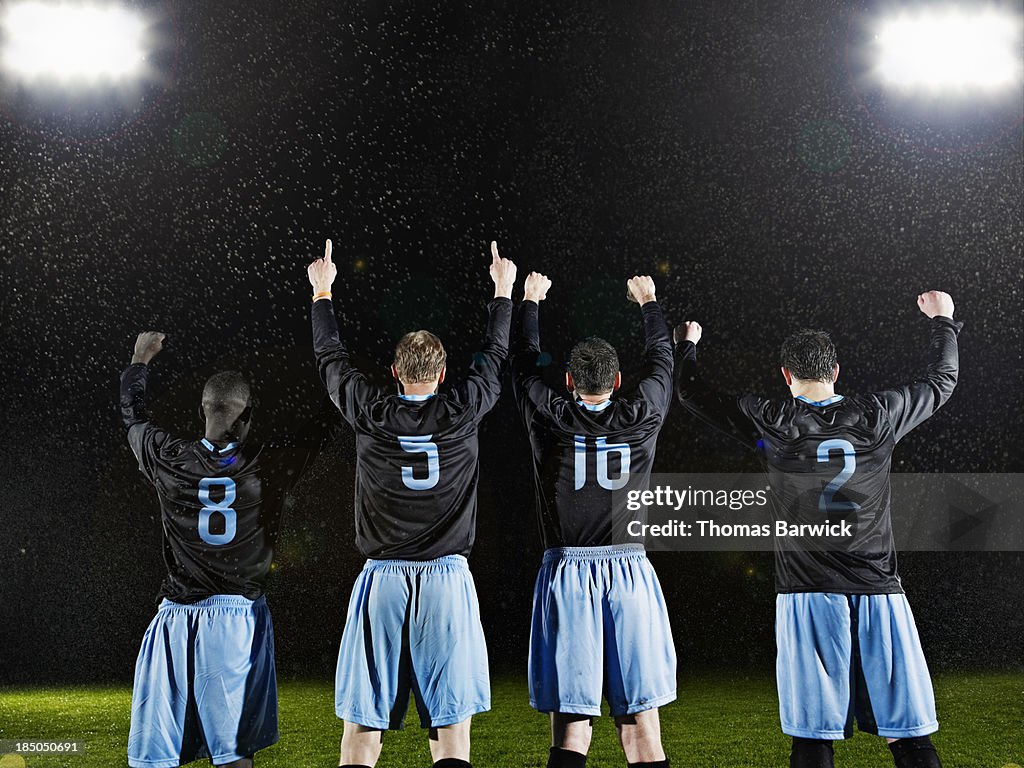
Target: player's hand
[[536, 287], [936, 304], [640, 288], [688, 331], [322, 272], [503, 273], [147, 346]]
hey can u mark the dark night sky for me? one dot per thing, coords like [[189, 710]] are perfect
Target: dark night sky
[[733, 150]]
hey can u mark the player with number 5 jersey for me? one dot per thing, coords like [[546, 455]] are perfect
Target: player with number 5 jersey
[[204, 680], [847, 643], [600, 626], [413, 623]]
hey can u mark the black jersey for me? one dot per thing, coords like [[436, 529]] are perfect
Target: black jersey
[[220, 505], [416, 457], [582, 453], [831, 460]]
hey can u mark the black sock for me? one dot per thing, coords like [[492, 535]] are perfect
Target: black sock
[[918, 752], [565, 758], [654, 764], [451, 762], [811, 753]]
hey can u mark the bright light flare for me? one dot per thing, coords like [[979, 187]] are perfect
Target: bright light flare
[[72, 43], [950, 50]]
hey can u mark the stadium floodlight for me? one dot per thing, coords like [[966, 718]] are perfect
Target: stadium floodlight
[[72, 43], [950, 49]]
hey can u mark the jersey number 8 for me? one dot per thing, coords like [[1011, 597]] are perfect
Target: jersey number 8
[[222, 507]]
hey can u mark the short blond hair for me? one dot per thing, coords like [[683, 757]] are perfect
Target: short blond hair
[[419, 358]]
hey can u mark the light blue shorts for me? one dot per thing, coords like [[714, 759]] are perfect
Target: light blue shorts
[[412, 627], [846, 656], [600, 627], [204, 684]]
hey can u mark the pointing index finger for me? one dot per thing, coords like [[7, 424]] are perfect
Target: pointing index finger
[[327, 251], [495, 258]]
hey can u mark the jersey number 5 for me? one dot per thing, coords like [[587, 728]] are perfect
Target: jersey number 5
[[421, 444], [827, 502], [603, 449], [211, 508]]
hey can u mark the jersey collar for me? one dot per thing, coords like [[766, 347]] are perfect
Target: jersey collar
[[595, 406], [829, 401], [214, 449], [416, 398]]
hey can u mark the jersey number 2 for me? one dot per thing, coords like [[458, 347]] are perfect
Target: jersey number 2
[[421, 444], [603, 449], [211, 508], [827, 502]]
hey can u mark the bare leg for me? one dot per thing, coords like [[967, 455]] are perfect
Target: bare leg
[[360, 745], [640, 736], [571, 732], [450, 741]]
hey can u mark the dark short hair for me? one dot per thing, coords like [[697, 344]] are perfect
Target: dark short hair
[[810, 356], [419, 358], [226, 394], [593, 365]]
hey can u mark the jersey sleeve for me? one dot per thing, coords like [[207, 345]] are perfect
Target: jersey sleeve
[[145, 438], [348, 389], [727, 414], [655, 385], [531, 393], [908, 406], [481, 387]]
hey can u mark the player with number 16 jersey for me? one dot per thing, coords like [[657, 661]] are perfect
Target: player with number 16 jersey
[[600, 626]]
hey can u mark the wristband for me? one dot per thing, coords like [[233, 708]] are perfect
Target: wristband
[[321, 295]]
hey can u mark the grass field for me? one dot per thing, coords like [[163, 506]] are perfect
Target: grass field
[[717, 722]]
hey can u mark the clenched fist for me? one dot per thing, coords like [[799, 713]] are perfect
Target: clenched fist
[[936, 304], [536, 287], [147, 346], [688, 331], [640, 288]]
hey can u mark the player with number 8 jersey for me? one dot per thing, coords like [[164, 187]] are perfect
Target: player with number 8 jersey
[[600, 626], [848, 646], [413, 623], [204, 680]]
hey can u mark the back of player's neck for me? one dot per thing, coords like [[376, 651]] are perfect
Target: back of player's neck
[[419, 390], [593, 399], [814, 392], [219, 435]]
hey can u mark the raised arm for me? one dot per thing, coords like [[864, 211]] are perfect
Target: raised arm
[[910, 405], [347, 387], [721, 412], [531, 393], [144, 437], [482, 385], [655, 385]]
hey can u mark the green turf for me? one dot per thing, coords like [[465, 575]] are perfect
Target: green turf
[[718, 722]]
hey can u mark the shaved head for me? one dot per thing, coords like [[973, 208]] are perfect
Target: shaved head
[[225, 396]]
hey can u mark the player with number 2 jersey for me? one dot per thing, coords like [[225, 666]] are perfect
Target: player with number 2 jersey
[[847, 643], [600, 627], [413, 623], [204, 680]]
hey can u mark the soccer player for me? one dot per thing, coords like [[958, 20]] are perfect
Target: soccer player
[[847, 643], [600, 626], [204, 679], [413, 620]]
